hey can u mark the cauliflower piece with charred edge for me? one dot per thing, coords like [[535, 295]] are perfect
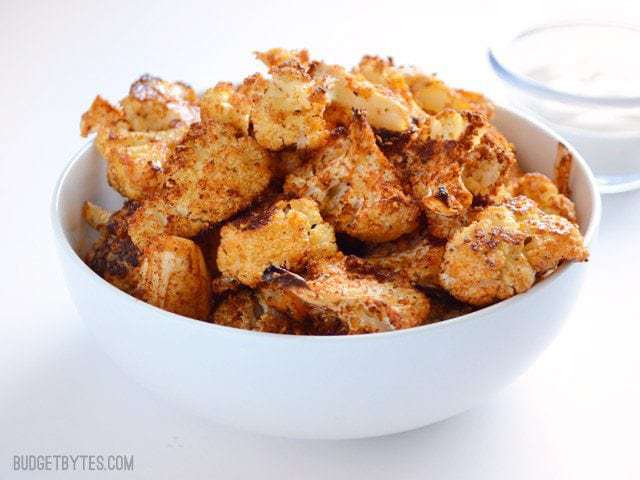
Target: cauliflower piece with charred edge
[[338, 290], [485, 262], [413, 256], [290, 112], [214, 174], [499, 254], [137, 139], [286, 234], [227, 104], [551, 239], [455, 157], [356, 186]]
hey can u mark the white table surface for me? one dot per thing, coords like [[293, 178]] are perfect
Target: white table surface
[[573, 415]]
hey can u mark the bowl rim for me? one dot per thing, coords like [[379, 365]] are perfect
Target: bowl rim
[[496, 56], [68, 254]]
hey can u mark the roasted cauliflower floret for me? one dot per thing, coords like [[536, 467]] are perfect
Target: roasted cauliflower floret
[[290, 112], [225, 103], [243, 309], [113, 256], [543, 191], [500, 253], [485, 262], [414, 256], [276, 57], [286, 234], [551, 239], [156, 104], [136, 161], [101, 115], [382, 71], [174, 277], [356, 186], [385, 109], [562, 169], [433, 95], [337, 290], [455, 157], [136, 140], [214, 174]]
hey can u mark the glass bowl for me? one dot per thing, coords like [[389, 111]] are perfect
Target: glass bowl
[[581, 78]]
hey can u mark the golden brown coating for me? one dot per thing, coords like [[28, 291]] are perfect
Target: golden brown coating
[[137, 139], [562, 169], [382, 71], [551, 239], [214, 174], [274, 57], [485, 262], [236, 198], [96, 216], [454, 157], [113, 255], [433, 95], [385, 109], [174, 277], [227, 104], [413, 256], [286, 234], [356, 186], [136, 161], [290, 112], [156, 104], [101, 115], [339, 290], [543, 191], [500, 253], [243, 309]]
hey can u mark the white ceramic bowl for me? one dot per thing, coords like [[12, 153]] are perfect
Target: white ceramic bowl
[[322, 387]]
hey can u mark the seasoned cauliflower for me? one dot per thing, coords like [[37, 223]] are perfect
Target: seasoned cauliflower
[[137, 139], [100, 116], [214, 174], [155, 104], [382, 71], [286, 234], [356, 186], [318, 200], [413, 256], [136, 161], [385, 109], [174, 277], [562, 169], [276, 57], [543, 191], [500, 253], [551, 239], [454, 157], [485, 262], [113, 255], [169, 272], [243, 309], [290, 112], [434, 96], [227, 104], [337, 290]]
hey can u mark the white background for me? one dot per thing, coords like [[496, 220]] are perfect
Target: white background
[[573, 415]]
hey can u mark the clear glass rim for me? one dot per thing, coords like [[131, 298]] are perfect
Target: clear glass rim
[[502, 69]]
